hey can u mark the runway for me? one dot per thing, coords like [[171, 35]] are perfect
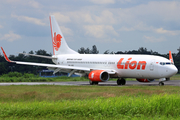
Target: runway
[[86, 83]]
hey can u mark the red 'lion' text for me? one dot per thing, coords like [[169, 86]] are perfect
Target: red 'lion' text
[[131, 64]]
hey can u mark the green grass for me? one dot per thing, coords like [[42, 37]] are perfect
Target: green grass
[[18, 77], [41, 79], [55, 93], [99, 108], [89, 102], [60, 79], [86, 102], [176, 77]]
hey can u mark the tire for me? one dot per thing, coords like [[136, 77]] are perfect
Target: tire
[[93, 83], [119, 82], [161, 84], [96, 83], [123, 81]]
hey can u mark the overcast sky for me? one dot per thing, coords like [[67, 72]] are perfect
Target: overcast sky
[[114, 25]]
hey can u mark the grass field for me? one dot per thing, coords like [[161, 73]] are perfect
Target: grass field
[[89, 102], [86, 102], [18, 77]]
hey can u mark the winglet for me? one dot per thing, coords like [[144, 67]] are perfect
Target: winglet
[[170, 57], [5, 56]]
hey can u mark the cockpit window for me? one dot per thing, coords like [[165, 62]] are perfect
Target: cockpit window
[[162, 63], [166, 63]]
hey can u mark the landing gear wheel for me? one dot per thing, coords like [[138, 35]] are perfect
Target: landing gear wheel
[[96, 83], [121, 81], [161, 84], [93, 83]]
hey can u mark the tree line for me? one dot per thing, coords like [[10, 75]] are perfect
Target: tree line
[[6, 67], [12, 67]]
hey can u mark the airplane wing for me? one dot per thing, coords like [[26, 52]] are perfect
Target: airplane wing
[[73, 68], [44, 65]]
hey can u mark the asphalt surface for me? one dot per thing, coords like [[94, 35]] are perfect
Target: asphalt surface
[[86, 83]]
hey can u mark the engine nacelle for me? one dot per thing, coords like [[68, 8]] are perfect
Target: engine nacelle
[[98, 76], [144, 80]]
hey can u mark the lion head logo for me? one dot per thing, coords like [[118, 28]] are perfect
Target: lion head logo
[[57, 41]]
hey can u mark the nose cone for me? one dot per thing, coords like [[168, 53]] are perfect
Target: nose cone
[[173, 70]]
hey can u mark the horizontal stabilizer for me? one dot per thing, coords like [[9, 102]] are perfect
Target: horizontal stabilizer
[[42, 56]]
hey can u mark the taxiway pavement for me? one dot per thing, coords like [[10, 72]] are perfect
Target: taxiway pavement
[[109, 83]]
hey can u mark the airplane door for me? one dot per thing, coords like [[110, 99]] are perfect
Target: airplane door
[[152, 65]]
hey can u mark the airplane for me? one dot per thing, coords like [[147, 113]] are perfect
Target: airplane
[[102, 67]]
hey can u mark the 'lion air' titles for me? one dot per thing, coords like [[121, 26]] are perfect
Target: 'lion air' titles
[[131, 64]]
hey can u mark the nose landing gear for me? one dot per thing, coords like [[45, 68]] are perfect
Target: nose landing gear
[[162, 80], [161, 84]]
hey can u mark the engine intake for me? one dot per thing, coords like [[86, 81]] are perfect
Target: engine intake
[[98, 76]]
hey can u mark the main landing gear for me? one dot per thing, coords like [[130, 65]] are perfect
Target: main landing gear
[[161, 84], [93, 83], [121, 81]]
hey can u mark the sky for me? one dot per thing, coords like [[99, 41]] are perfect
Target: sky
[[114, 25]]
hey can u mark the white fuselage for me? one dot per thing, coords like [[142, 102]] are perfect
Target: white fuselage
[[126, 66]]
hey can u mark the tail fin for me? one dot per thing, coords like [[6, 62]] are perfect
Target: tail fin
[[170, 57], [59, 43]]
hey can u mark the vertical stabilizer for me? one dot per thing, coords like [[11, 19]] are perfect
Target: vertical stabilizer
[[59, 43]]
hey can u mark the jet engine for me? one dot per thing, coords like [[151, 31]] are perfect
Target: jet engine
[[144, 80], [98, 76]]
